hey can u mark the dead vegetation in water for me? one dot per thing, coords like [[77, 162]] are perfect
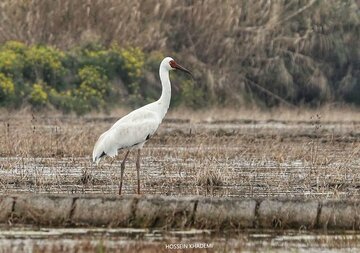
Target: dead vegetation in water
[[209, 177], [313, 158]]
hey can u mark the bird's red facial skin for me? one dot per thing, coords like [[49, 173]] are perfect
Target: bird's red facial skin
[[173, 64]]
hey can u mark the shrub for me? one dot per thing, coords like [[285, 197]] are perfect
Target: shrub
[[7, 89], [133, 62], [149, 82], [93, 89], [64, 100], [131, 70], [191, 96], [44, 63], [38, 96], [15, 46], [11, 62]]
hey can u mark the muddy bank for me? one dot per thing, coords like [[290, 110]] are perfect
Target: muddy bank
[[134, 211]]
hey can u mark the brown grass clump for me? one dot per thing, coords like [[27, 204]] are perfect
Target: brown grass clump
[[209, 177]]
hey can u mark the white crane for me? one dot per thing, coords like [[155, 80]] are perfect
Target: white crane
[[134, 129]]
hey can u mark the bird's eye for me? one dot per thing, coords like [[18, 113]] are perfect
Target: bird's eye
[[173, 64]]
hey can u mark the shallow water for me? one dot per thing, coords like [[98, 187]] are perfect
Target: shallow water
[[240, 178], [170, 170], [144, 240], [262, 159]]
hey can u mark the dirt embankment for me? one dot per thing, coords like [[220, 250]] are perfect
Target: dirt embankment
[[177, 212]]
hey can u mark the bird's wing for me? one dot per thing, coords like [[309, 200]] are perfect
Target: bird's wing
[[126, 133]]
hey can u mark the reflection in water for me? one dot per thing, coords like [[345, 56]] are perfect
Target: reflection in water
[[117, 240]]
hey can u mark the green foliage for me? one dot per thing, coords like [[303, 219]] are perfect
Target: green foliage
[[11, 62], [8, 60], [63, 100], [192, 96], [147, 88], [16, 46], [44, 63], [7, 89], [133, 62], [93, 80], [38, 96], [77, 80], [93, 88]]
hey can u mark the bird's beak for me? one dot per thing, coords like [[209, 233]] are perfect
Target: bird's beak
[[177, 66]]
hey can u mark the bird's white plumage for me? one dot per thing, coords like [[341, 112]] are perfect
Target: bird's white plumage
[[133, 130]]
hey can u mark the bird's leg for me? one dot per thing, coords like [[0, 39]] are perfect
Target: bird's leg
[[138, 170], [122, 171]]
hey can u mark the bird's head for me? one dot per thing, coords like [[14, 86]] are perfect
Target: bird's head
[[170, 64]]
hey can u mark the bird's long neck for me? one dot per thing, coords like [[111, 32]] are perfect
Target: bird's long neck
[[164, 100]]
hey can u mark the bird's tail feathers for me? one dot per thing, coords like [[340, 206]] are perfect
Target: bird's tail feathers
[[95, 160], [103, 148], [97, 156]]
